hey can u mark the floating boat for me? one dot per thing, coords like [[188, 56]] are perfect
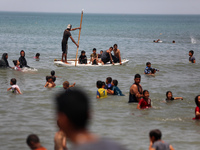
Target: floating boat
[[71, 62]]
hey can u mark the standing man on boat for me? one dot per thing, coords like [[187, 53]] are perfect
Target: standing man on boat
[[66, 35]]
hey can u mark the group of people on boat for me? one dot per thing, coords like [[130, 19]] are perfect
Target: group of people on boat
[[105, 56]]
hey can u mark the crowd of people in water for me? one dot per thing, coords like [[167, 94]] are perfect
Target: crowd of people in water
[[73, 106]]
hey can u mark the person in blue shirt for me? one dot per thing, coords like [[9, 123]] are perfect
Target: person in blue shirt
[[108, 83], [115, 90], [149, 69]]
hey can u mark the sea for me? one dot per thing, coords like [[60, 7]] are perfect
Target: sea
[[112, 117]]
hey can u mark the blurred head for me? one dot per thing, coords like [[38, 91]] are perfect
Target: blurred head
[[197, 100], [82, 53], [13, 81], [137, 78], [94, 50], [115, 46], [52, 72], [111, 48], [69, 26], [99, 84], [148, 64], [155, 135], [22, 53], [32, 141], [5, 56], [191, 52], [145, 94], [103, 84], [101, 51], [66, 85], [169, 95], [37, 55], [108, 80], [73, 109], [114, 83]]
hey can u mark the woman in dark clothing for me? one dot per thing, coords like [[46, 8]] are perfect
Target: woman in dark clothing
[[22, 60], [4, 62]]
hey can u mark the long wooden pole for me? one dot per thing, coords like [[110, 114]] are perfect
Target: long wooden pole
[[79, 36]]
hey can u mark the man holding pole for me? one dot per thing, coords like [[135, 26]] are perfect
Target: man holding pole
[[66, 35]]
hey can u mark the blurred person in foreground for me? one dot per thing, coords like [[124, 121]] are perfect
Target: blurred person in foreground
[[73, 114]]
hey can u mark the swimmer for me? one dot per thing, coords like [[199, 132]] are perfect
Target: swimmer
[[17, 65], [101, 92], [115, 90], [108, 83], [22, 60], [49, 83], [145, 102], [37, 56], [4, 61], [103, 85], [197, 109], [169, 96], [15, 88], [191, 58], [156, 143], [149, 70], [173, 42], [53, 75], [66, 85], [33, 142]]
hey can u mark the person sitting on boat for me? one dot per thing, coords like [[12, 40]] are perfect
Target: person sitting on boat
[[94, 57], [117, 56], [99, 55], [82, 58], [106, 56], [66, 35], [22, 60]]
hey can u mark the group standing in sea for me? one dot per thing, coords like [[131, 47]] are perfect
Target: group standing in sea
[[72, 105]]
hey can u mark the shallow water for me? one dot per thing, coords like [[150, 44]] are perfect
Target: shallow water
[[33, 112]]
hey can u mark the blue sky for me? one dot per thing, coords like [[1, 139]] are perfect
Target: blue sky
[[104, 6]]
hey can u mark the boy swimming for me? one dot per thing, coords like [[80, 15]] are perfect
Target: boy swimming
[[17, 65], [53, 75], [145, 102], [149, 70], [191, 58], [15, 88], [101, 92], [115, 90], [49, 83], [156, 143], [66, 85]]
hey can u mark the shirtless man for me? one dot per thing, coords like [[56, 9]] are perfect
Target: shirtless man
[[66, 35], [106, 56], [136, 90], [117, 55]]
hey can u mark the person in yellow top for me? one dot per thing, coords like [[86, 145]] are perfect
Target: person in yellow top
[[101, 93]]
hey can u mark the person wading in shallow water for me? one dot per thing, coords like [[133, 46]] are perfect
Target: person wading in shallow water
[[66, 35]]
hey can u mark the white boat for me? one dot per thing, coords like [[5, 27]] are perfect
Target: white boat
[[71, 62]]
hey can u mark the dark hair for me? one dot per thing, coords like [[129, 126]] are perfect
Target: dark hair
[[101, 51], [75, 105], [13, 80], [196, 100], [114, 45], [111, 47], [99, 84], [137, 76], [52, 72], [115, 82], [191, 51], [156, 134], [94, 49], [153, 70], [15, 62], [109, 79], [37, 54], [32, 138], [103, 83], [22, 51], [48, 77], [145, 91], [168, 93], [148, 63], [82, 51]]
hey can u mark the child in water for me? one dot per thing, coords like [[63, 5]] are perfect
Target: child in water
[[82, 58], [156, 143], [170, 97], [49, 83], [53, 75], [197, 109], [145, 102], [17, 65], [101, 92], [115, 90], [149, 70], [108, 83], [37, 56], [191, 58], [15, 88], [66, 85]]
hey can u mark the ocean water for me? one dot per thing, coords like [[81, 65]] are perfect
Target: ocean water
[[113, 117]]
